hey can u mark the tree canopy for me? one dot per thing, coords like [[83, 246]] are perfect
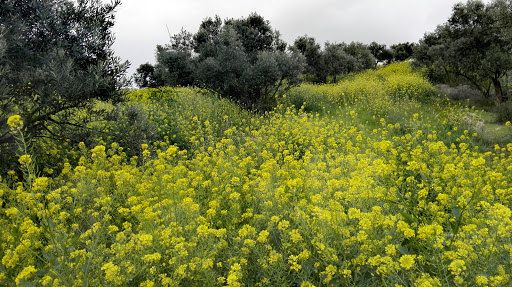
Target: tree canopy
[[381, 53], [55, 58], [335, 59], [475, 44], [241, 59]]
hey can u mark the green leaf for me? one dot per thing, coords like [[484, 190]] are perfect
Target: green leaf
[[403, 249], [453, 225], [456, 213], [407, 217]]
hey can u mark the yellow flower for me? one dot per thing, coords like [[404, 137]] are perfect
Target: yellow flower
[[10, 259], [407, 261], [144, 239], [481, 280], [390, 249], [295, 236], [26, 273], [478, 162], [457, 266], [262, 237], [283, 225], [111, 272], [155, 257], [11, 212], [15, 121], [25, 159], [41, 183], [46, 280]]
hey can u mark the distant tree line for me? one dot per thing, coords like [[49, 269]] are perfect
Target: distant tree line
[[338, 59], [246, 60]]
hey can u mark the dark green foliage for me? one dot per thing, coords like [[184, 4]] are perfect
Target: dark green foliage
[[381, 53], [308, 47], [334, 59], [339, 59], [174, 68], [129, 126], [363, 58], [504, 112], [395, 53], [207, 36], [241, 59], [224, 70], [174, 62], [402, 51], [245, 60], [256, 35], [55, 60], [252, 74], [144, 77], [475, 45]]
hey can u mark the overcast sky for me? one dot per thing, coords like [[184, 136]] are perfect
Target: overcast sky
[[141, 25]]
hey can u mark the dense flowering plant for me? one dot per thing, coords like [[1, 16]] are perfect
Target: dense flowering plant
[[353, 197]]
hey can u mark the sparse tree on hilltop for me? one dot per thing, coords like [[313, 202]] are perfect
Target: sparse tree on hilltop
[[402, 51], [381, 53], [145, 76], [345, 58]]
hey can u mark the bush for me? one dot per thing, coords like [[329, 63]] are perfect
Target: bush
[[504, 112]]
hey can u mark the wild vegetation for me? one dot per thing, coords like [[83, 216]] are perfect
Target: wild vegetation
[[473, 46], [355, 192], [371, 178], [56, 60]]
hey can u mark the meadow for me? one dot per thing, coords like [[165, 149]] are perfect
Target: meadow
[[373, 181]]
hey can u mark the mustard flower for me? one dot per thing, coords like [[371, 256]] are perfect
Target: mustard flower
[[457, 267], [15, 122], [481, 280], [111, 272], [262, 236], [407, 261], [25, 159], [26, 273], [150, 258]]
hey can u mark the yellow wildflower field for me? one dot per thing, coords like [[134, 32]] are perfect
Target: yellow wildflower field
[[384, 192]]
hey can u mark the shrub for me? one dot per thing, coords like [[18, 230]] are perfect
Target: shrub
[[504, 112]]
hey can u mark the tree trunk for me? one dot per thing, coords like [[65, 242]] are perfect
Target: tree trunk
[[498, 90]]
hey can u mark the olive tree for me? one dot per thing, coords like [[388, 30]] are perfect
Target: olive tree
[[55, 60], [475, 44], [241, 59]]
